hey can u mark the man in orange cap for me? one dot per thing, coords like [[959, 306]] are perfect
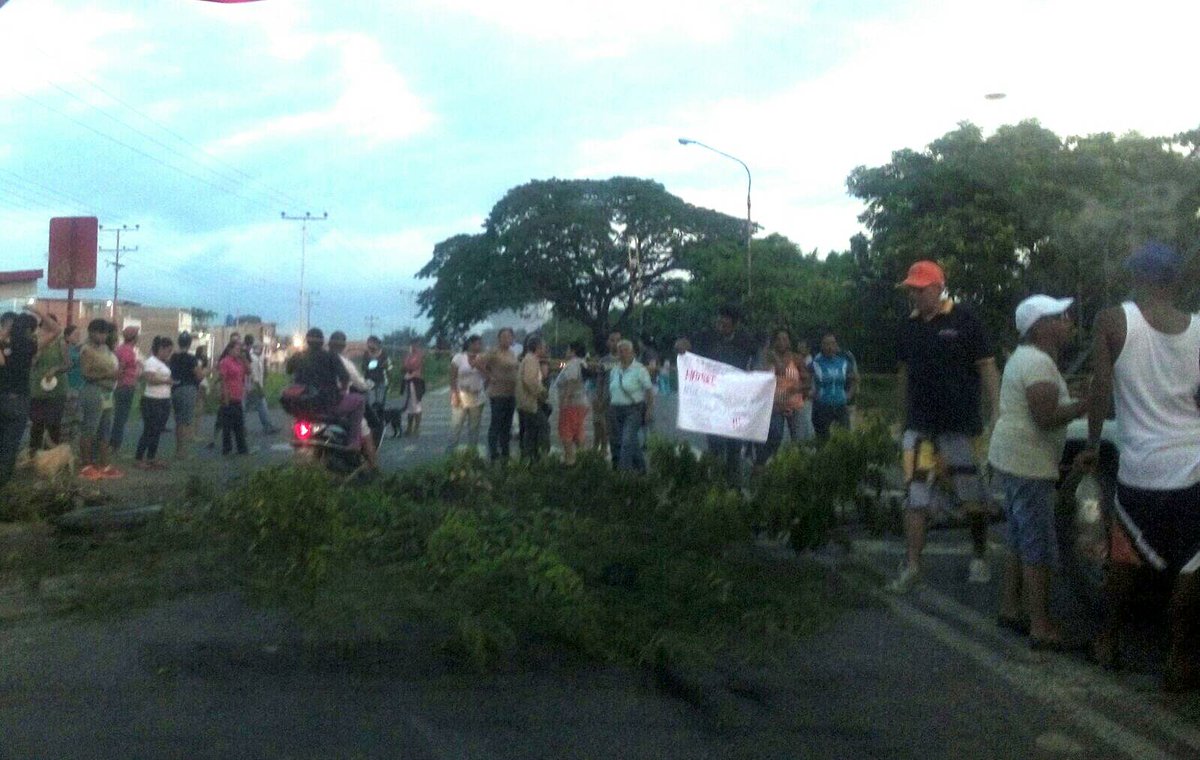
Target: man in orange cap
[[947, 371]]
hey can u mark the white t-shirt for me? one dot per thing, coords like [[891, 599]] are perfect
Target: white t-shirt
[[155, 366], [1019, 447], [470, 380], [569, 384]]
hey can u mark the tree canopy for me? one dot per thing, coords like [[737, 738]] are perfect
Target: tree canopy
[[594, 249], [1024, 211]]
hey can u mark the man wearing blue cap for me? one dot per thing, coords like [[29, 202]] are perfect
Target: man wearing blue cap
[[1147, 360]]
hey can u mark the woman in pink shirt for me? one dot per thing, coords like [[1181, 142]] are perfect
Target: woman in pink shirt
[[233, 388]]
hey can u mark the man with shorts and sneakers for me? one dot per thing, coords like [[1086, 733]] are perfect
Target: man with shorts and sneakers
[[1147, 360], [947, 370]]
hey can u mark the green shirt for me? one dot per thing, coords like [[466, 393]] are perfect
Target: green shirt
[[50, 358]]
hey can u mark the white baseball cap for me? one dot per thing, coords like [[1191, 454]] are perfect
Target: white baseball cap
[[1034, 308]]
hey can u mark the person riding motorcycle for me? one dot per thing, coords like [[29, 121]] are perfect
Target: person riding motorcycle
[[326, 373]]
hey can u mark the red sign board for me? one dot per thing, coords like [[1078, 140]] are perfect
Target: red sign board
[[73, 241]]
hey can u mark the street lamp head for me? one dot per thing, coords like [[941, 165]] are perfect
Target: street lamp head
[[685, 141], [995, 96]]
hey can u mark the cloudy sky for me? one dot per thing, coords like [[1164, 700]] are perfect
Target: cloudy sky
[[406, 120]]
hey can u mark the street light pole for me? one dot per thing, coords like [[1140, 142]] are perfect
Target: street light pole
[[304, 220], [749, 224]]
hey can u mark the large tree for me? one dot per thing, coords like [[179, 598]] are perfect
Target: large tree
[[594, 249], [1024, 211]]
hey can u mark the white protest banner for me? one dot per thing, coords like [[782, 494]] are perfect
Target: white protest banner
[[720, 399]]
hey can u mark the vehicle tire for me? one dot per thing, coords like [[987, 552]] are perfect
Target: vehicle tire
[[1083, 537]]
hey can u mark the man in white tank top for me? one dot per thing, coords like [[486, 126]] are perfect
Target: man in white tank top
[[1147, 360]]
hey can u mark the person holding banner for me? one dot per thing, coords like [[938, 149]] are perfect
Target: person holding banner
[[631, 405], [727, 345]]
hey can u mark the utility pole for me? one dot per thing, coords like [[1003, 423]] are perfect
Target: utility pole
[[304, 220], [371, 321], [115, 262]]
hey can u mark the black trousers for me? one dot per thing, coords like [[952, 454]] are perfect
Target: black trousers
[[500, 427], [535, 435], [155, 412], [233, 426]]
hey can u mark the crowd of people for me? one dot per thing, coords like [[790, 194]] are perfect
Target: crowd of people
[[79, 390]]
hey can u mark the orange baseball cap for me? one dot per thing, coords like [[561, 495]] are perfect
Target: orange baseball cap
[[924, 273]]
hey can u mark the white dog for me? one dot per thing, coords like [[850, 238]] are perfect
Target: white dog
[[49, 463]]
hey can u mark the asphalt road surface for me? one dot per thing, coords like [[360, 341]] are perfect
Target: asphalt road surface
[[923, 676]]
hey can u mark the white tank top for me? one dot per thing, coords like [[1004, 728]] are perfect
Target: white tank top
[[1155, 381]]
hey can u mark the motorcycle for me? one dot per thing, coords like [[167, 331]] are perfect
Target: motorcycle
[[325, 440], [320, 437]]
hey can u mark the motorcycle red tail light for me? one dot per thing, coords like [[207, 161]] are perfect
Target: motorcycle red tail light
[[303, 430]]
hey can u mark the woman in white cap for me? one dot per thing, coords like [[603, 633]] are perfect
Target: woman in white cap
[[1026, 446]]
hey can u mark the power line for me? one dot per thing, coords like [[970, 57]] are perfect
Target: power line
[[286, 198], [43, 190], [139, 151], [267, 197]]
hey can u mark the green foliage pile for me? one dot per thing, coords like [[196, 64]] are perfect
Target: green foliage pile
[[38, 500], [612, 566]]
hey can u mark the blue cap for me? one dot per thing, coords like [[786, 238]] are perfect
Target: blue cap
[[1155, 262]]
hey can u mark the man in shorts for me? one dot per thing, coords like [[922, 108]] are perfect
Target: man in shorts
[[1147, 359], [947, 370]]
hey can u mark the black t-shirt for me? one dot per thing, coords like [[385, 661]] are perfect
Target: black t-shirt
[[378, 375], [738, 349], [322, 370], [18, 361], [183, 369], [942, 357]]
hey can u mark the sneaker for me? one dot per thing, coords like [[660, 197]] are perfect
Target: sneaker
[[980, 571], [908, 578], [110, 473]]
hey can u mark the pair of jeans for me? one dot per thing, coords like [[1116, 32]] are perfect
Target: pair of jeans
[[500, 426], [155, 413], [233, 427], [779, 422], [257, 400], [122, 404], [825, 415], [728, 452], [624, 425], [14, 415]]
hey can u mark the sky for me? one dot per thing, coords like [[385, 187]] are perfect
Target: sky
[[406, 120]]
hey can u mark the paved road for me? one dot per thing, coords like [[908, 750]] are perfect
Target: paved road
[[924, 676]]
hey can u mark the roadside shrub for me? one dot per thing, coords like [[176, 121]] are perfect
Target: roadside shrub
[[619, 567], [287, 524]]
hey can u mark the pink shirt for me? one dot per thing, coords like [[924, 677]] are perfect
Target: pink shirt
[[233, 375], [127, 365], [414, 364]]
